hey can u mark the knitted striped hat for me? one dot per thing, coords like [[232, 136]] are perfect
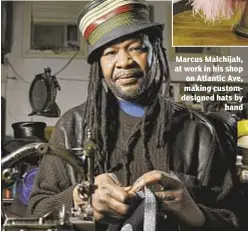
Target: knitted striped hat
[[103, 21]]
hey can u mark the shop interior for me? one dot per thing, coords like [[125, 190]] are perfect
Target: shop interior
[[44, 73]]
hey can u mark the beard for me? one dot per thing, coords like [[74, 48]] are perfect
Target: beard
[[131, 95], [134, 93]]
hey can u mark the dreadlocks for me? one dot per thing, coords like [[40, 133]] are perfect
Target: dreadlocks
[[99, 98]]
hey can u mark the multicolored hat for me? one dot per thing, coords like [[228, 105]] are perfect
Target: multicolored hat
[[103, 21]]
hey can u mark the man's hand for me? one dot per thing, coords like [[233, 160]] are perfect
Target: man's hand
[[111, 202], [174, 197]]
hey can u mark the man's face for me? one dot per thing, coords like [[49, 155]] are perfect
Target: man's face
[[125, 65]]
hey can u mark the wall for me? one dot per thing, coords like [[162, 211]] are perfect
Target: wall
[[73, 92]]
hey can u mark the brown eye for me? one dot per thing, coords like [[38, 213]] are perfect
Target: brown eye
[[139, 49], [109, 53]]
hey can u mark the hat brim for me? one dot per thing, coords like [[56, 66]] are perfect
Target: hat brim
[[124, 30]]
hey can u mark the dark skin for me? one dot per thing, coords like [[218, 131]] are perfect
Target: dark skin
[[124, 66], [180, 205], [112, 202]]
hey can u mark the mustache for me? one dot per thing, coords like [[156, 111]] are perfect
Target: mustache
[[122, 74]]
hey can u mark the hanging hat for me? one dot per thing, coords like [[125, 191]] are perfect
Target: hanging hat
[[101, 22]]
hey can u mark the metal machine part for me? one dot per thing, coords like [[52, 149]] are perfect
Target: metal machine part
[[26, 150], [9, 175], [80, 217]]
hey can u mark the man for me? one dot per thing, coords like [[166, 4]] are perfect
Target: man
[[143, 137]]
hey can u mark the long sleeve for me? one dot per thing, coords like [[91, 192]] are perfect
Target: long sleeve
[[52, 187]]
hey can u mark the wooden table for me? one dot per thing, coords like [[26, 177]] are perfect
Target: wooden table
[[190, 30]]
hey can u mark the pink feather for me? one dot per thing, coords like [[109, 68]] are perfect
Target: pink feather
[[216, 9]]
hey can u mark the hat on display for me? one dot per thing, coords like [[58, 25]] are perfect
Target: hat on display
[[102, 22], [242, 128]]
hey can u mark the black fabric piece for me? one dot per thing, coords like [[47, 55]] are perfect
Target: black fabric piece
[[136, 220]]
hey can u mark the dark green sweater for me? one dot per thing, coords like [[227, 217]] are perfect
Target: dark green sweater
[[52, 185], [138, 164]]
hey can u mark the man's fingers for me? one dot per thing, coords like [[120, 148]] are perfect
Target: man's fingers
[[110, 183], [112, 201], [119, 194], [114, 178], [146, 179], [153, 177], [118, 207], [107, 178], [167, 195], [126, 189], [109, 207]]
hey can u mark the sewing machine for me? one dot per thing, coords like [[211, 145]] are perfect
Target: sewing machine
[[80, 217]]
